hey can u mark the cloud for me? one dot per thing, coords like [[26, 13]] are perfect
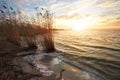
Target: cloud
[[74, 16], [108, 3], [56, 6], [106, 11], [50, 1]]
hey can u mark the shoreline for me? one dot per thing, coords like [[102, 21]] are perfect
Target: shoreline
[[17, 56]]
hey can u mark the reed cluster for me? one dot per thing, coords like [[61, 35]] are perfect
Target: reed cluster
[[14, 26]]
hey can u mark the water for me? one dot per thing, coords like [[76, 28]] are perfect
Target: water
[[96, 51]]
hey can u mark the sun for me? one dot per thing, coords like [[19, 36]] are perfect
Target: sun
[[76, 28], [77, 24], [81, 24]]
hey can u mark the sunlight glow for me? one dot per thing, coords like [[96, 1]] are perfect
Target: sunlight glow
[[82, 23], [77, 24]]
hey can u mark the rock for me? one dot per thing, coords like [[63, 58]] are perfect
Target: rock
[[32, 67], [25, 66], [35, 65]]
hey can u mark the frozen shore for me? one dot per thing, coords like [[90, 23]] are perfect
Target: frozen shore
[[32, 65]]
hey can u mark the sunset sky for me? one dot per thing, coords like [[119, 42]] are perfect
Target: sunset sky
[[97, 14]]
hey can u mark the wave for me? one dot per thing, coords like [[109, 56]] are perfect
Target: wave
[[102, 47], [76, 49], [102, 57], [108, 68], [103, 60], [101, 77], [73, 48]]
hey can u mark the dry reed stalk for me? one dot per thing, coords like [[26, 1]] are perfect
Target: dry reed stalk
[[16, 27]]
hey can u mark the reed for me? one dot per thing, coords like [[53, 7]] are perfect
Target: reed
[[47, 22], [14, 25]]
